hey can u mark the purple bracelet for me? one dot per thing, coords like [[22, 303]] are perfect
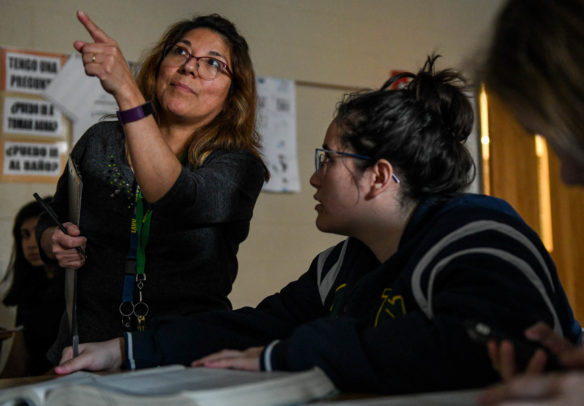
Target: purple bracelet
[[135, 114]]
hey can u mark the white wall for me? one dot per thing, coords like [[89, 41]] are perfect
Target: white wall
[[345, 42]]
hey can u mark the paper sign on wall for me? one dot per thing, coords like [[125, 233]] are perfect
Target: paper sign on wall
[[31, 117], [29, 73], [277, 127], [33, 159], [33, 130]]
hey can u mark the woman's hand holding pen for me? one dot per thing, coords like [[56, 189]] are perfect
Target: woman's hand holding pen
[[104, 60], [63, 246], [104, 356]]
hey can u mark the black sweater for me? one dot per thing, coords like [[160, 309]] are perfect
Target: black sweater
[[195, 232]]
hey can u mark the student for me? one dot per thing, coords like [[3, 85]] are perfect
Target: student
[[169, 189], [37, 291], [383, 311], [534, 64]]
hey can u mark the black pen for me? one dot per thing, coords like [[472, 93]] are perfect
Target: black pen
[[49, 210]]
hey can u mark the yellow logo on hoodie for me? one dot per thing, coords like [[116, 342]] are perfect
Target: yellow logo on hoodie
[[392, 306]]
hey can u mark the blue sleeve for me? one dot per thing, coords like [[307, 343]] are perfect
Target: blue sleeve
[[487, 276], [405, 355], [170, 340]]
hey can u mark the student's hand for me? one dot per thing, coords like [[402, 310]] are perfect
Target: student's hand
[[550, 389], [503, 355], [248, 360], [63, 246], [571, 356], [103, 356], [503, 360], [104, 59]]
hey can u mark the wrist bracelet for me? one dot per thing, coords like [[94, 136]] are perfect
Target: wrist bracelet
[[136, 113]]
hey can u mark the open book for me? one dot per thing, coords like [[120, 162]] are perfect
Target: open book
[[175, 385]]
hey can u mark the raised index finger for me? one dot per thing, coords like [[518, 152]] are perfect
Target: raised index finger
[[96, 33]]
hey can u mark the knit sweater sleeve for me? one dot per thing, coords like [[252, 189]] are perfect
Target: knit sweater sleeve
[[224, 189]]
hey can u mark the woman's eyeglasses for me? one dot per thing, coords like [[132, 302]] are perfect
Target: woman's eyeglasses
[[207, 66], [321, 158]]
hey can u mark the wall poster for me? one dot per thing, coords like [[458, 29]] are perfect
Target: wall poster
[[276, 123], [34, 133]]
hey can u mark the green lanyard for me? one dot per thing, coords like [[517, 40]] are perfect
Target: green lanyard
[[142, 231], [135, 265], [135, 274]]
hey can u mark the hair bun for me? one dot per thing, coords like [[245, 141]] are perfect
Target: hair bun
[[441, 95]]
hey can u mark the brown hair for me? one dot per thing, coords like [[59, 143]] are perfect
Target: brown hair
[[234, 128], [535, 63]]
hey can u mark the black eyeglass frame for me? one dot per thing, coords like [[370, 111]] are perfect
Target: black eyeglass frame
[[224, 67]]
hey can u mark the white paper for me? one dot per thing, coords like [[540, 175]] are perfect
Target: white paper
[[72, 90], [31, 117], [177, 385], [29, 73], [36, 159], [277, 127], [79, 97]]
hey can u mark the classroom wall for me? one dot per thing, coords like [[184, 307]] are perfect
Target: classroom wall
[[342, 42]]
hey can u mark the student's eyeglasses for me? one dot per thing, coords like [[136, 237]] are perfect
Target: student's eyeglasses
[[321, 157], [207, 66]]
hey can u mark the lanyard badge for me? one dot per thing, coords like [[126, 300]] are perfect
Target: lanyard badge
[[134, 274]]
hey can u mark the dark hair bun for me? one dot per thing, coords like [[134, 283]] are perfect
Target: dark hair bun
[[420, 128], [441, 95]]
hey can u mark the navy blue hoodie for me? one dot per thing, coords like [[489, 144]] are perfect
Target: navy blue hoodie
[[394, 327]]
